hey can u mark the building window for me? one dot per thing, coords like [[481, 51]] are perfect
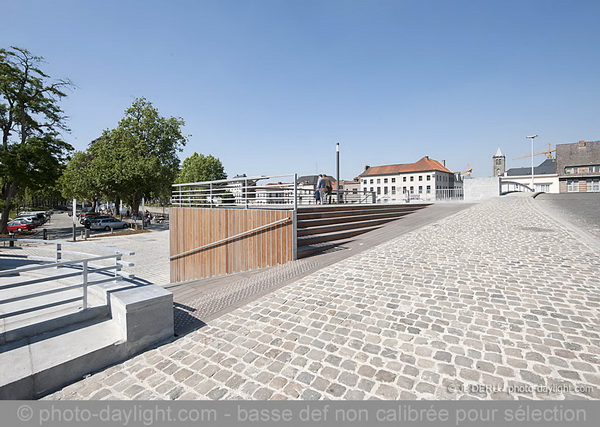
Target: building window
[[420, 177], [385, 180], [371, 190], [385, 190], [593, 185], [544, 188], [371, 181], [412, 190], [403, 179], [404, 189], [393, 180], [428, 189], [378, 180], [420, 189], [412, 178], [569, 170], [364, 181], [393, 189], [572, 185], [595, 169], [428, 177]]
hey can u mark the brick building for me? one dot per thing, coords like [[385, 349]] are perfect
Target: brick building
[[578, 167]]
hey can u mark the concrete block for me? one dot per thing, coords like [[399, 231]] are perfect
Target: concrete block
[[144, 313]]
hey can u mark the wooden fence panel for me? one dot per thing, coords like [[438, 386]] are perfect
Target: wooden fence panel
[[191, 228]]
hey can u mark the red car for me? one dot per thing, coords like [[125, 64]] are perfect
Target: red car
[[20, 226]]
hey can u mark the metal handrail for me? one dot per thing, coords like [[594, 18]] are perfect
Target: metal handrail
[[56, 262], [237, 236]]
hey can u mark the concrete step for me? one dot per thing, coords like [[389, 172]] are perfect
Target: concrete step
[[331, 237], [46, 362], [326, 220], [355, 207], [336, 213], [18, 320], [340, 226], [305, 251]]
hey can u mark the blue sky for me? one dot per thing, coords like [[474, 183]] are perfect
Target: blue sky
[[270, 86]]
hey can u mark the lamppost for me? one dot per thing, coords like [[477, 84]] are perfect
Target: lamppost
[[337, 159], [532, 137]]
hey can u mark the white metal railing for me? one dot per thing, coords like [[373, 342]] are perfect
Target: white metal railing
[[237, 192], [512, 186], [260, 191], [84, 264]]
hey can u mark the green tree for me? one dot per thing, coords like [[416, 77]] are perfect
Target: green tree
[[80, 179], [30, 124], [138, 158], [198, 167]]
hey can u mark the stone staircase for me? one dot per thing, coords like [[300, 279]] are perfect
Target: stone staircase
[[47, 337], [324, 227]]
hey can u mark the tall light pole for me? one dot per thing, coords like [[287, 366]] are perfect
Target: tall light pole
[[532, 137], [337, 160]]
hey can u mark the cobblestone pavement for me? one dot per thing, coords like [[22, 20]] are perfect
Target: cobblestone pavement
[[495, 302]]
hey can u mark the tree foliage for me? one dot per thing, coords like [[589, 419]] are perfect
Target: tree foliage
[[31, 120], [136, 159], [198, 167]]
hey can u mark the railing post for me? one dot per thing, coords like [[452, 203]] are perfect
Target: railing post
[[85, 284], [58, 252], [295, 192], [117, 259], [210, 196]]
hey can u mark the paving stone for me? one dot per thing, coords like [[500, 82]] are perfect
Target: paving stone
[[386, 324]]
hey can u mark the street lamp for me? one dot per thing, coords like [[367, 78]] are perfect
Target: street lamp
[[337, 160], [532, 137]]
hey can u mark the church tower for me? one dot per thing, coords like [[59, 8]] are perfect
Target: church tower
[[499, 163]]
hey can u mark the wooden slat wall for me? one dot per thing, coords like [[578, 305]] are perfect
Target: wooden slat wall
[[194, 227]]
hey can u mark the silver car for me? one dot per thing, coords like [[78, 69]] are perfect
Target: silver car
[[107, 224]]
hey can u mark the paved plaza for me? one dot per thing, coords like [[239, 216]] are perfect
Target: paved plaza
[[499, 301]]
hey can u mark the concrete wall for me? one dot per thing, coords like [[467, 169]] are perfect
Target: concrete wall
[[477, 189]]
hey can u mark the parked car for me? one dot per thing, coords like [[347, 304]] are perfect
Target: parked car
[[107, 224], [17, 225], [38, 218], [90, 215], [87, 220]]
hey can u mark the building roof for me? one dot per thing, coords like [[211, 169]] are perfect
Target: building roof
[[311, 180], [498, 153], [580, 153], [423, 165], [547, 167]]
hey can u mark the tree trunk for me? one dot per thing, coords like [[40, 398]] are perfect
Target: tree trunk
[[10, 190]]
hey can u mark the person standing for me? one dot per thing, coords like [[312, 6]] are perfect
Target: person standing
[[321, 187]]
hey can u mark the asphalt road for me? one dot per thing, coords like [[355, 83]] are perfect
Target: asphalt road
[[60, 227], [580, 209]]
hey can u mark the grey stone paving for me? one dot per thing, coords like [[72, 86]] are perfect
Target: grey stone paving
[[495, 302]]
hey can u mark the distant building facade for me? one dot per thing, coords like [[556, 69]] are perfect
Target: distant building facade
[[578, 167], [426, 179], [545, 177]]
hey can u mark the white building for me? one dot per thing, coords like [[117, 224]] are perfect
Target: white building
[[545, 177], [426, 180]]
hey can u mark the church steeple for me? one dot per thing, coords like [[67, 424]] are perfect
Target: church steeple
[[499, 163]]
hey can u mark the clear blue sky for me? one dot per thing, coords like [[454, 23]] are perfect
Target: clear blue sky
[[270, 86]]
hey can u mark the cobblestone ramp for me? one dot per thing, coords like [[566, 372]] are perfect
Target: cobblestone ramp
[[190, 315], [495, 302]]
